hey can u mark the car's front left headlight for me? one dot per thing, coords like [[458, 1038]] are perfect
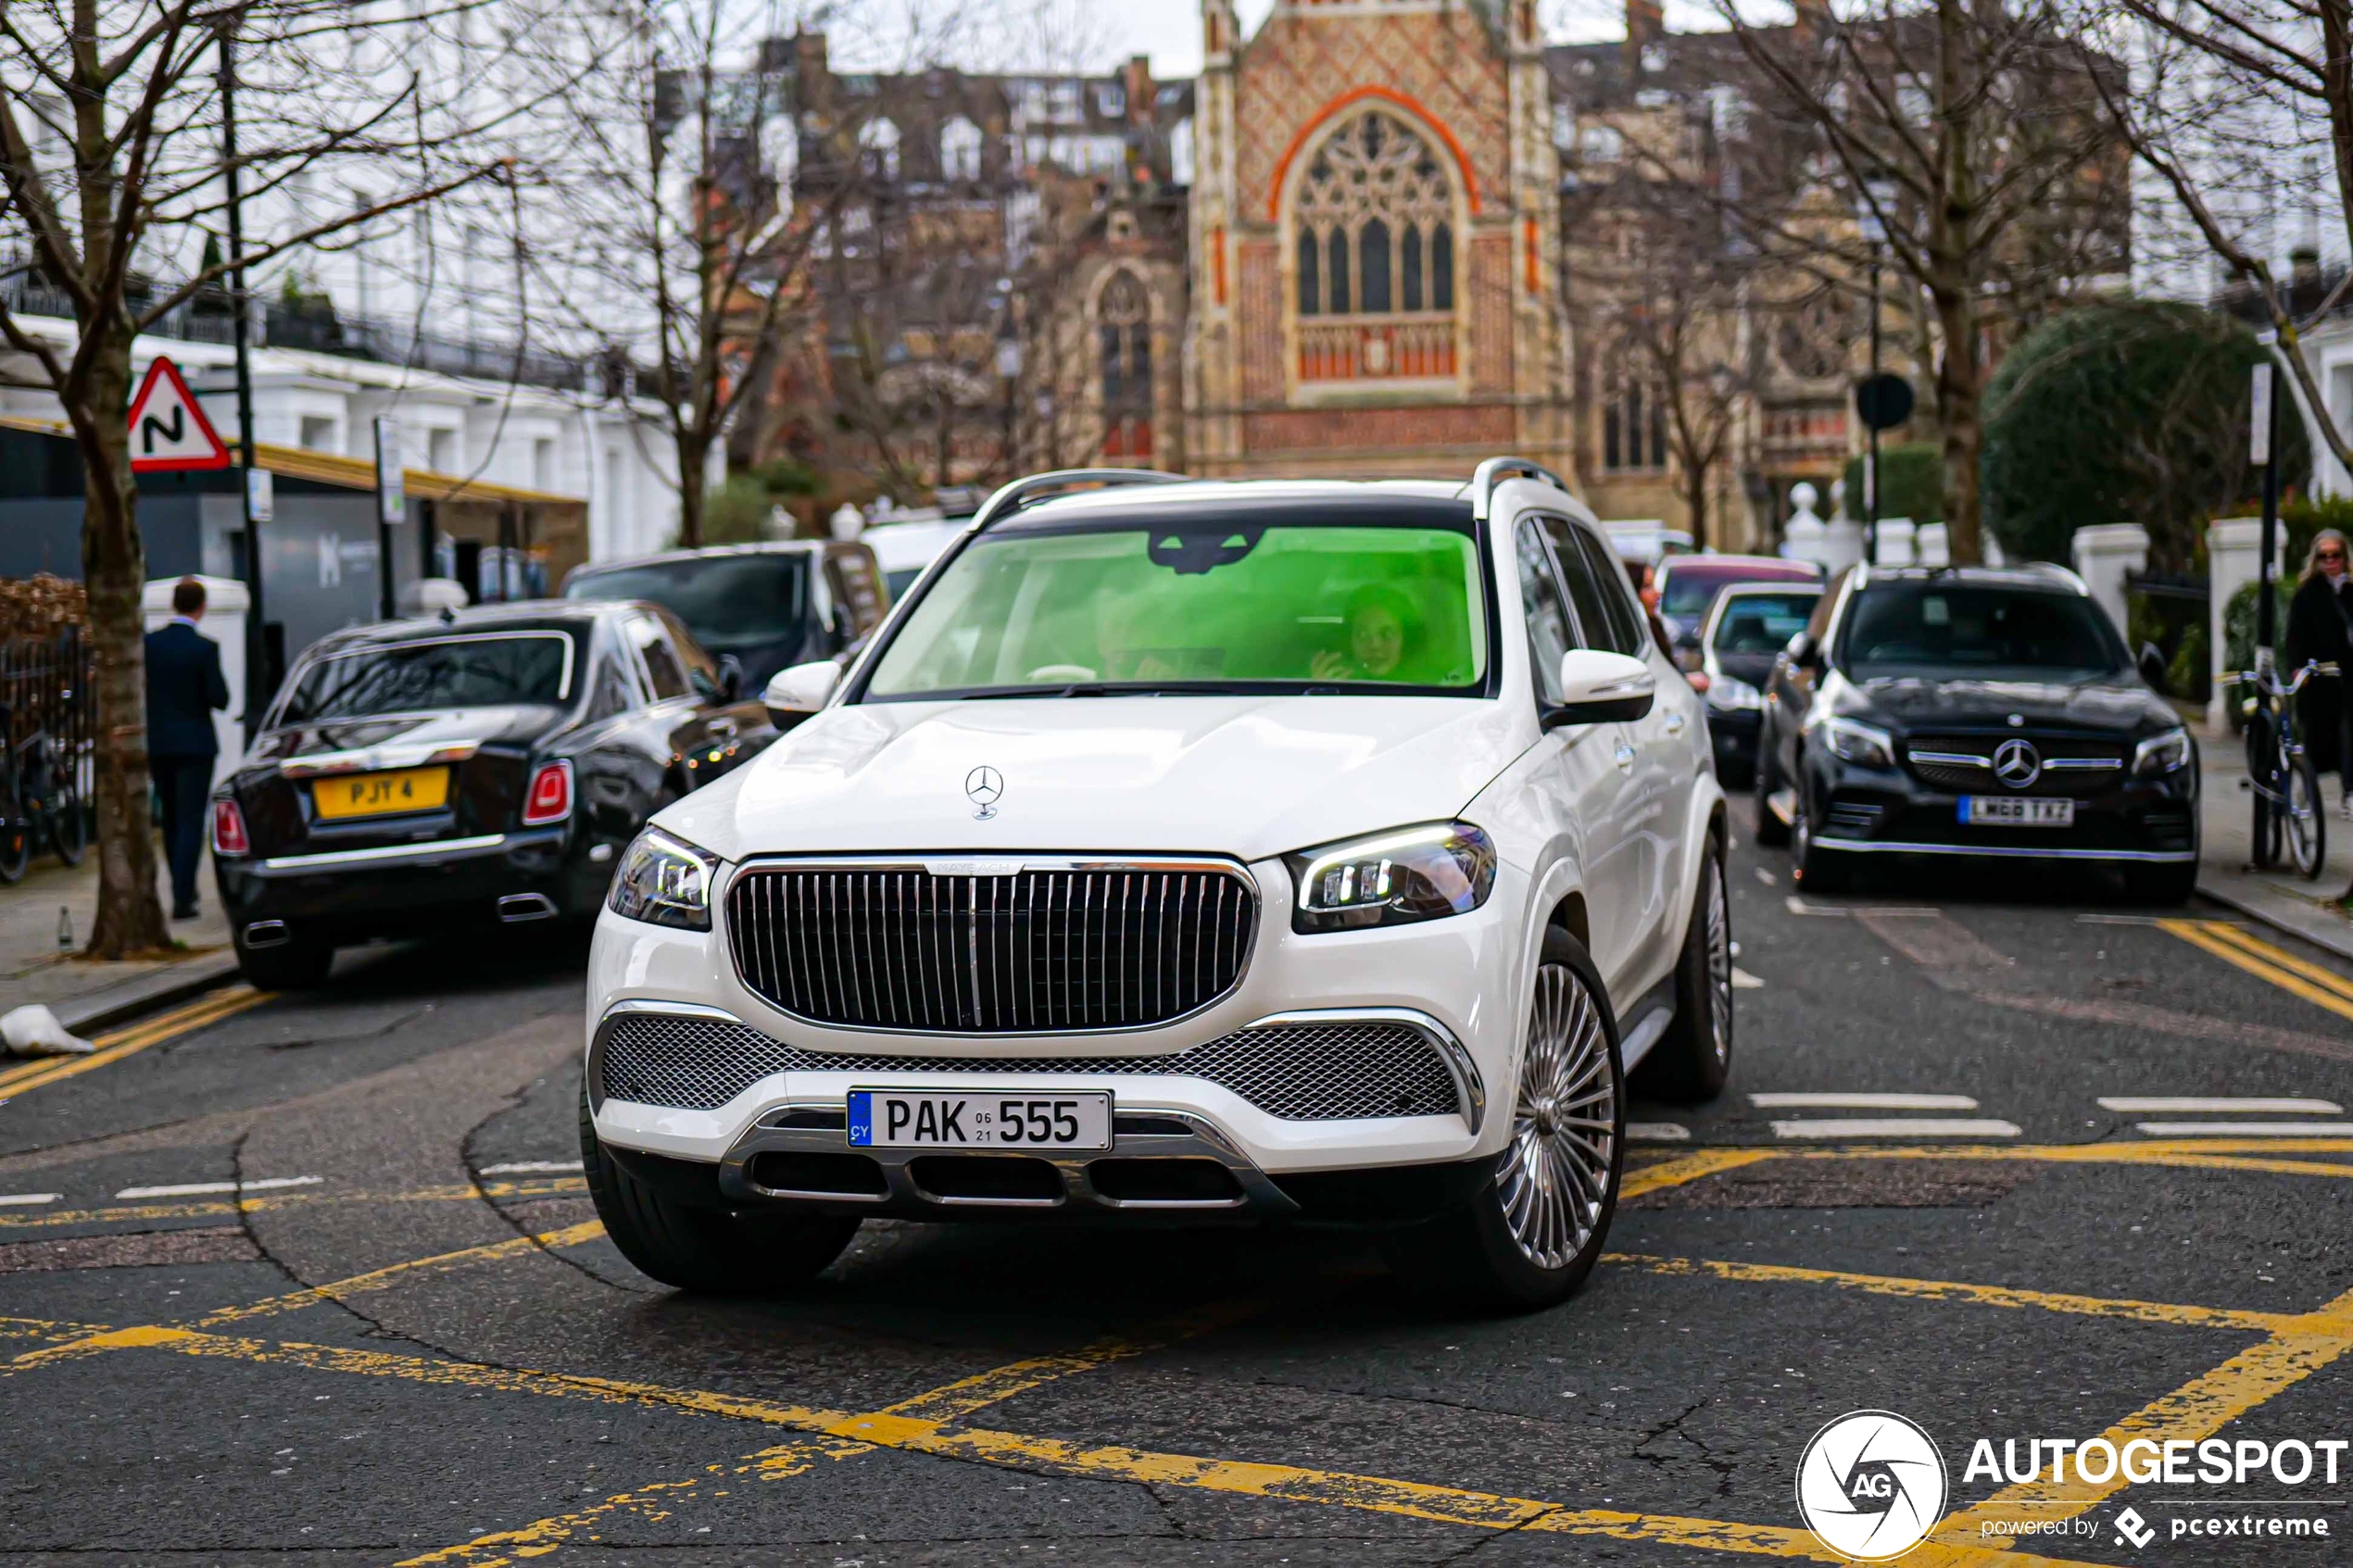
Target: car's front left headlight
[[1731, 694], [1864, 744], [2162, 753], [1395, 878], [665, 881]]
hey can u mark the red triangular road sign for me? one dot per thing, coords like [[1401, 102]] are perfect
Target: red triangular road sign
[[168, 430]]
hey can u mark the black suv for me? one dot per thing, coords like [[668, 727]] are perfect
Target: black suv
[[1974, 711]]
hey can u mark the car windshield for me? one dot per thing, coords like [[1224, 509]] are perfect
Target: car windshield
[[1761, 622], [1985, 631], [1197, 606], [730, 603], [496, 669], [1689, 590]]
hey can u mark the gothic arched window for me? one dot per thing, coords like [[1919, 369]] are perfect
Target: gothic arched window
[[1124, 336], [1374, 223]]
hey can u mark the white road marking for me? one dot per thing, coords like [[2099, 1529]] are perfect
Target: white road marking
[[2246, 1129], [1657, 1131], [198, 1189], [1768, 878], [1744, 981], [1863, 1102], [24, 1199], [1894, 1127], [2156, 1105], [1798, 906], [530, 1167]]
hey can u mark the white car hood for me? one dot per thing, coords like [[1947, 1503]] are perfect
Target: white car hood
[[1250, 777]]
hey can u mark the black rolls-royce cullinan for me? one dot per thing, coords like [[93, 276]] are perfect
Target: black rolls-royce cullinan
[[479, 767], [1988, 713]]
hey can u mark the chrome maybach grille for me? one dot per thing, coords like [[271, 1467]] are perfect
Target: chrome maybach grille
[[1298, 1072], [1040, 949]]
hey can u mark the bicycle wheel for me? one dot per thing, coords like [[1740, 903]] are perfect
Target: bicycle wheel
[[69, 832], [16, 843], [2262, 767], [2304, 821]]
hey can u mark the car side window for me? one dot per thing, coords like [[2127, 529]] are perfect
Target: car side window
[[1629, 630], [615, 690], [662, 667], [1593, 621], [1550, 632]]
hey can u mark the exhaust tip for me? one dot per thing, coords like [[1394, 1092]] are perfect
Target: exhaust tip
[[268, 933], [516, 908]]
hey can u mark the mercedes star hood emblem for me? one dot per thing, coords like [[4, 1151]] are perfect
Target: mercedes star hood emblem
[[985, 786]]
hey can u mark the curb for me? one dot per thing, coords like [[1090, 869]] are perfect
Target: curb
[[126, 1000], [2341, 944]]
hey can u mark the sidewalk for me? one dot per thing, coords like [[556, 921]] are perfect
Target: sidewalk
[[87, 996], [2283, 899]]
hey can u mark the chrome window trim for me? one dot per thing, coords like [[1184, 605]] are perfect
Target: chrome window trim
[[995, 865], [430, 849], [421, 753]]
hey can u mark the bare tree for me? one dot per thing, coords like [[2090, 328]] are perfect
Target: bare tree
[[2239, 110], [1663, 289], [111, 145], [1962, 126]]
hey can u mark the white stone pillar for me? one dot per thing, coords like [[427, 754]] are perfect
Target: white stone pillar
[[2233, 550], [224, 622], [1898, 543], [2105, 553], [1934, 544]]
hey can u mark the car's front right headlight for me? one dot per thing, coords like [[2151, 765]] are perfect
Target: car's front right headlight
[[1864, 745], [665, 881]]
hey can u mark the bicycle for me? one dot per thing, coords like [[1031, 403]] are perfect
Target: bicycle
[[38, 802], [2289, 812]]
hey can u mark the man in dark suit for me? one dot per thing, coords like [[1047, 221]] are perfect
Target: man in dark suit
[[184, 684]]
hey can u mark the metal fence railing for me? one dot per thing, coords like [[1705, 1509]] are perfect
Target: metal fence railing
[[48, 682]]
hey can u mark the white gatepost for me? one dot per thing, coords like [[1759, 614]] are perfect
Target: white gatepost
[[1899, 542], [1934, 544], [2233, 550], [2104, 554], [225, 602]]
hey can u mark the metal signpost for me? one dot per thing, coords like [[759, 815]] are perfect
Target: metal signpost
[[260, 680], [392, 503]]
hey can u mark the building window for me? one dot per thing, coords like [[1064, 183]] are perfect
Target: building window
[[1634, 430], [1374, 209], [1124, 338], [878, 141], [960, 149]]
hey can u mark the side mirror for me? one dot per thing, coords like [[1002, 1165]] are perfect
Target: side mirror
[[731, 677], [2153, 671], [796, 693], [1602, 688]]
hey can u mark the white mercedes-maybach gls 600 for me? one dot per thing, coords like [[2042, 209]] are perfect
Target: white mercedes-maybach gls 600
[[1184, 851]]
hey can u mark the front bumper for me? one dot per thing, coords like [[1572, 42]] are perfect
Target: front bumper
[[345, 896], [1440, 971], [1857, 809]]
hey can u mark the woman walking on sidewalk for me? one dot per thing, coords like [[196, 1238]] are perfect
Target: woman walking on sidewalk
[[2320, 625]]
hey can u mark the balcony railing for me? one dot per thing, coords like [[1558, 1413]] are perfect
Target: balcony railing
[[1382, 348]]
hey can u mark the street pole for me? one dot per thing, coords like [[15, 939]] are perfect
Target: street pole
[[2269, 414], [1870, 468], [258, 689]]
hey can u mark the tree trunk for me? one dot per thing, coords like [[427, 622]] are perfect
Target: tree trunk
[[1952, 284], [1695, 502], [1960, 393], [114, 569], [694, 457]]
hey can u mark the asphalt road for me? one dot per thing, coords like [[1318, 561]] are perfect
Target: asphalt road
[[402, 1339]]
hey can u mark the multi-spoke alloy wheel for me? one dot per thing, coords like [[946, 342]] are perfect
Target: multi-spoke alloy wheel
[[1719, 964], [1555, 1178]]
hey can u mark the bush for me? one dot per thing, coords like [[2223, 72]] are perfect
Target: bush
[[1911, 482], [2124, 411], [2238, 635], [2305, 516]]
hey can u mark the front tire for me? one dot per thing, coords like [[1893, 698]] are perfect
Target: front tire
[[708, 1251], [1692, 1059], [1813, 868], [1533, 1233]]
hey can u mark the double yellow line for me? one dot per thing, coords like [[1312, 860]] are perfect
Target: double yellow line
[[206, 1009], [2321, 987]]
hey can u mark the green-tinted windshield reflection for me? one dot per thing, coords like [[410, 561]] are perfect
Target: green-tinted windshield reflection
[[1334, 606]]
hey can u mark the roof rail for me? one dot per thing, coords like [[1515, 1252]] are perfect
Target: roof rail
[[2053, 568], [1494, 471], [1008, 499]]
